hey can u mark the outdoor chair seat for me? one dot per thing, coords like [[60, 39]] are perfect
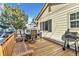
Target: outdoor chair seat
[[28, 37]]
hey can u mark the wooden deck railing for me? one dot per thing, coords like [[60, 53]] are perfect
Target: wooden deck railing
[[7, 45]]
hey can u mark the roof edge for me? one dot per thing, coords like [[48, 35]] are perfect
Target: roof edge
[[41, 12]]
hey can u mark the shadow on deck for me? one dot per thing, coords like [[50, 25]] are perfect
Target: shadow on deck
[[21, 49], [41, 48]]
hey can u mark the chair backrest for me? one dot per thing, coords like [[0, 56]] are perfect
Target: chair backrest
[[33, 33]]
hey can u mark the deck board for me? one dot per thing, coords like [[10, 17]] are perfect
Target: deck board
[[47, 48], [19, 49], [42, 48]]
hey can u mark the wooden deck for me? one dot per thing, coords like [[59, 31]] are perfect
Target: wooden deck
[[42, 48], [21, 49], [46, 48]]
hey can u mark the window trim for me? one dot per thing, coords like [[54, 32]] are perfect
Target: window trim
[[69, 21], [50, 30], [47, 25]]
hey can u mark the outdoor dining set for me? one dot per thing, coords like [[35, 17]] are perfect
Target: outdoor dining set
[[68, 37], [32, 35]]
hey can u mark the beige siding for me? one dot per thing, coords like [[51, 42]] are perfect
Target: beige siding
[[60, 18], [38, 25], [45, 13]]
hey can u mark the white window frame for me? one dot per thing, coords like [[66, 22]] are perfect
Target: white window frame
[[47, 25], [69, 21]]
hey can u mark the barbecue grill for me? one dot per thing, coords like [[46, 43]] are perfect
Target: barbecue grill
[[68, 37]]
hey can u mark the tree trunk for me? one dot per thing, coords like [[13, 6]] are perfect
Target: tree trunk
[[16, 33], [24, 32], [21, 35]]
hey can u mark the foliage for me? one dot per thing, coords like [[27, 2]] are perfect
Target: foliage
[[13, 17]]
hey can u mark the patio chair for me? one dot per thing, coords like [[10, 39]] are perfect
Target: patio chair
[[39, 34], [28, 37], [33, 35], [69, 37]]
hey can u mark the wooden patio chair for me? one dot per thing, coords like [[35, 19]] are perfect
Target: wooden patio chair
[[33, 35]]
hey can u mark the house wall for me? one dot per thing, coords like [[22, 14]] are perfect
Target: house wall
[[60, 20]]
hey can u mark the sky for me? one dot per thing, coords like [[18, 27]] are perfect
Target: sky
[[30, 9]]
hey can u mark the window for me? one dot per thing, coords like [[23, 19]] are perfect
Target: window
[[73, 24], [50, 25], [74, 20], [47, 25], [49, 9], [41, 26], [72, 16]]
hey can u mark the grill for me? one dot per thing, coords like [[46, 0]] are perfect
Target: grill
[[68, 37]]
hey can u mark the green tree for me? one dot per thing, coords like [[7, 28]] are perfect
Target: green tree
[[14, 17], [4, 24]]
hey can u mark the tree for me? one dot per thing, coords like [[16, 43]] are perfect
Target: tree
[[13, 17], [20, 20], [4, 20]]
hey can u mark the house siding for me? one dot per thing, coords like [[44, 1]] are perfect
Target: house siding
[[60, 19]]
